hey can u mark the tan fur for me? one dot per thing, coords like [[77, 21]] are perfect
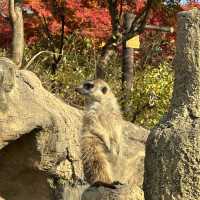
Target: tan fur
[[101, 133]]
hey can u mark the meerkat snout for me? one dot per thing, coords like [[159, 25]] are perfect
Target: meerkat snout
[[85, 88]]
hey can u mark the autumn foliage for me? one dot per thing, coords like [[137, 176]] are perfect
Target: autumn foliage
[[89, 18]]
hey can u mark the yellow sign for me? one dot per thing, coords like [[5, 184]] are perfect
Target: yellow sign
[[134, 42]]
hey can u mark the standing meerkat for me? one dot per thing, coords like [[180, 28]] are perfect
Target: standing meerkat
[[101, 132]]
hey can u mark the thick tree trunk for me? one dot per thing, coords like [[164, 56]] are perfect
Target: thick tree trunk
[[172, 162]]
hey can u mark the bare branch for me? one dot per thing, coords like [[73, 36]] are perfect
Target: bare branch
[[137, 27], [138, 24], [61, 38], [106, 52], [160, 28], [4, 16], [121, 9], [36, 55], [56, 8], [48, 33]]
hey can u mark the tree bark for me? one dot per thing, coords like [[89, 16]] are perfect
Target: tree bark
[[18, 33], [127, 65], [172, 162]]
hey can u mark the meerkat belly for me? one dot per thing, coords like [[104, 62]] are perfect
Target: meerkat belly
[[93, 126]]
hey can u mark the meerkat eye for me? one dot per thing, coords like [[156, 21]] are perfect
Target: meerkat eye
[[104, 90], [88, 86]]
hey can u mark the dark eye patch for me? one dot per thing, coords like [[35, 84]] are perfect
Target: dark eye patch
[[104, 90], [88, 86]]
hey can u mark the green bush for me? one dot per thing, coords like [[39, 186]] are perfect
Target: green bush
[[151, 94]]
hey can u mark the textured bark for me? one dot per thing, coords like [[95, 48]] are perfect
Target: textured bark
[[39, 142], [172, 162], [127, 65], [18, 33]]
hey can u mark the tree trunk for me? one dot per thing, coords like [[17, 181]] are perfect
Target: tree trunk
[[127, 65], [172, 162], [18, 33]]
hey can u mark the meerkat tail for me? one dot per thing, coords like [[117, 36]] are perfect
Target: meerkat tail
[[95, 164]]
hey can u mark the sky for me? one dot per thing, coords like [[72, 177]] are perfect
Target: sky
[[183, 1]]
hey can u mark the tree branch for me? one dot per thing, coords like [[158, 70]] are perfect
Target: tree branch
[[112, 6], [62, 17], [138, 24], [56, 57], [108, 49], [48, 34], [4, 16], [140, 110], [160, 28], [36, 55]]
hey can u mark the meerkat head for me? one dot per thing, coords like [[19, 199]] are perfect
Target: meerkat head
[[96, 90]]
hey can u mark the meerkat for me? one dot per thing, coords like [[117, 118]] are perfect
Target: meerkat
[[101, 132]]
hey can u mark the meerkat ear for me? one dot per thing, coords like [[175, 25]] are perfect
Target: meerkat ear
[[104, 90]]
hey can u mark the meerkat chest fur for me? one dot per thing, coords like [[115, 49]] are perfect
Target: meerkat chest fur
[[103, 120]]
